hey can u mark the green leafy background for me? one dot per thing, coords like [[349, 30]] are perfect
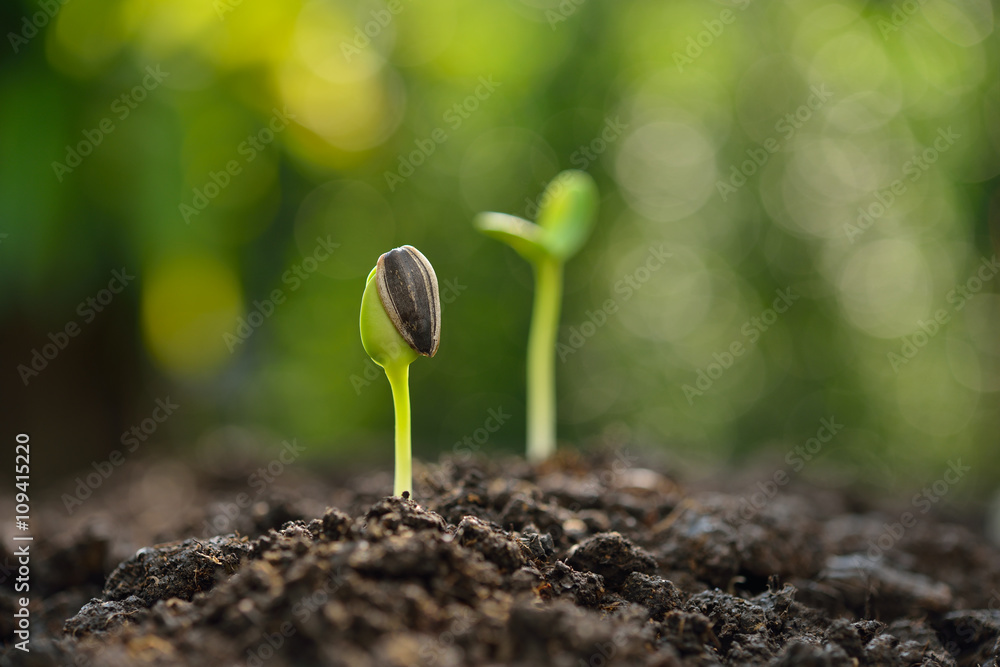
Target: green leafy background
[[824, 104]]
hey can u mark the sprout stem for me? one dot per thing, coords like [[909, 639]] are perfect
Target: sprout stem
[[541, 359], [399, 380]]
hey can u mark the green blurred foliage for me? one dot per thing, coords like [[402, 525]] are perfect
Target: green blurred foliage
[[743, 139]]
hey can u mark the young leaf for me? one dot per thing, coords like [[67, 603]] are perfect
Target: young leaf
[[523, 236], [569, 206], [401, 320], [379, 335]]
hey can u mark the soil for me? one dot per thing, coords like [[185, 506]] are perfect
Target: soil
[[583, 561]]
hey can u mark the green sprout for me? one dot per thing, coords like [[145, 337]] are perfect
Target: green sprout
[[565, 218], [401, 320]]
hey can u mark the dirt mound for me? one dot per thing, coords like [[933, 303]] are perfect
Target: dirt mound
[[561, 565]]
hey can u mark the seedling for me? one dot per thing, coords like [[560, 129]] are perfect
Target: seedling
[[565, 218], [400, 321]]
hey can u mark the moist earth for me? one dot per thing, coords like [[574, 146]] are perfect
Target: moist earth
[[582, 561]]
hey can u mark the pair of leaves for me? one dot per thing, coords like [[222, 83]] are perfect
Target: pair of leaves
[[565, 218]]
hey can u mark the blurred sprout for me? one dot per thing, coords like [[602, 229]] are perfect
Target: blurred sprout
[[565, 219], [401, 320]]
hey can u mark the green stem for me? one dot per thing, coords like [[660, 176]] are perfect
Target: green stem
[[542, 360], [399, 380]]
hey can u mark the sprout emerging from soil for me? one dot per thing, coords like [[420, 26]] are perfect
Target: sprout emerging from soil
[[401, 320], [565, 218]]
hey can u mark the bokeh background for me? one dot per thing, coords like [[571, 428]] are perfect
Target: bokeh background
[[225, 152]]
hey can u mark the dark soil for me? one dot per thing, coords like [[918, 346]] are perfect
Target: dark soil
[[575, 563]]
